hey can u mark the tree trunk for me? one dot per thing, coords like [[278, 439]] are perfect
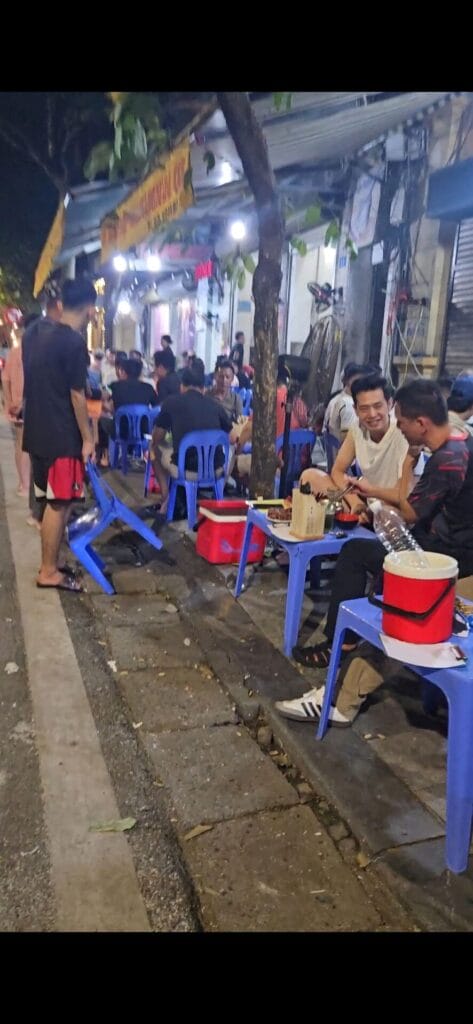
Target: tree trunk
[[251, 146]]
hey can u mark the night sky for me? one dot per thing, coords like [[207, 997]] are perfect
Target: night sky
[[28, 199]]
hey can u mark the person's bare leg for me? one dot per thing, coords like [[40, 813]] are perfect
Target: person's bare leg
[[22, 461], [162, 476], [25, 469], [319, 480], [52, 532]]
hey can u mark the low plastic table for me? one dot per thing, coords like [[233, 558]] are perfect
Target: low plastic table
[[300, 553], [457, 685]]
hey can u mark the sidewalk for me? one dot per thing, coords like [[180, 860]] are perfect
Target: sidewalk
[[258, 852], [384, 779]]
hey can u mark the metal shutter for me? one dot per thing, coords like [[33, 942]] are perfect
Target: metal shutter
[[459, 329]]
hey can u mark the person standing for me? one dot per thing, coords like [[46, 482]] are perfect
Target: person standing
[[53, 312], [238, 351], [12, 380], [57, 433], [166, 346]]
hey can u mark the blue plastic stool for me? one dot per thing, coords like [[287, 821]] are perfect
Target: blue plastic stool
[[298, 441], [205, 443], [87, 528], [300, 554], [332, 447], [457, 685], [119, 446], [246, 395]]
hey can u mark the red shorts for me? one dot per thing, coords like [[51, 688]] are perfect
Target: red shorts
[[61, 480]]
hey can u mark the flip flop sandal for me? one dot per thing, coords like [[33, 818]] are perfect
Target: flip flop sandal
[[68, 570], [315, 657], [70, 584]]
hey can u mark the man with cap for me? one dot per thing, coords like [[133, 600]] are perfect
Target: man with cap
[[460, 404]]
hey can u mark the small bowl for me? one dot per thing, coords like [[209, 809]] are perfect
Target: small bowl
[[346, 519]]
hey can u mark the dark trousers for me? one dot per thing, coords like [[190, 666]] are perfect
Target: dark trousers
[[360, 558]]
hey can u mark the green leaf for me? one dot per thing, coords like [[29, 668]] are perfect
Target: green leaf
[[128, 122], [332, 233], [282, 98], [98, 160], [118, 141], [351, 248], [313, 215], [140, 145], [117, 825], [241, 278], [209, 159], [299, 245], [249, 263], [236, 270]]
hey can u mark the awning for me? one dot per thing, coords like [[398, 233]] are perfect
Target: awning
[[50, 249], [311, 134], [88, 205]]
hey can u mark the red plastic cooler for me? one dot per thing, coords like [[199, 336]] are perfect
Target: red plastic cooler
[[220, 532]]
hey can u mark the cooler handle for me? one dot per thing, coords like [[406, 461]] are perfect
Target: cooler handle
[[417, 616]]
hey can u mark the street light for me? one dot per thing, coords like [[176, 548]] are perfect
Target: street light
[[153, 262], [237, 230], [120, 264]]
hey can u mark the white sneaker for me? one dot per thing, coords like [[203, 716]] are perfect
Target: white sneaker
[[308, 708]]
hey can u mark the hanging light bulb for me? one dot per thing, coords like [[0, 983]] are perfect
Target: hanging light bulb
[[124, 307], [237, 230], [153, 262], [120, 264]]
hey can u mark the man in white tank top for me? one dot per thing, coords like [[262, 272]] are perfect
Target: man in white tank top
[[373, 440]]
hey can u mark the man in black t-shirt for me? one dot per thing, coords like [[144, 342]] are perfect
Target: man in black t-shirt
[[57, 434], [180, 415], [127, 390], [167, 380]]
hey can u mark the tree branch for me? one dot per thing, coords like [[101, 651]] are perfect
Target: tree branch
[[23, 145]]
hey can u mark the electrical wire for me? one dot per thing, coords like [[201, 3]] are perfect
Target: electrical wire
[[410, 357]]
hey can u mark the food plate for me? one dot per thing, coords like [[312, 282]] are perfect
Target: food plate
[[280, 515]]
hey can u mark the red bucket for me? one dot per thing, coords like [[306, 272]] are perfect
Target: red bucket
[[418, 603]]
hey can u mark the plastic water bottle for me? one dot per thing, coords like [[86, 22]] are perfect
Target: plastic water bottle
[[393, 533]]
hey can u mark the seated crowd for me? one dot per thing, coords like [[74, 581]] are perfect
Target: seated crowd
[[413, 451]]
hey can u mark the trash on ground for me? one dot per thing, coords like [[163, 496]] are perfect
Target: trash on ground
[[117, 825], [11, 667], [197, 831], [112, 665]]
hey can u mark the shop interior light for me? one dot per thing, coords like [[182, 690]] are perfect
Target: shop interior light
[[237, 230], [120, 264], [124, 307], [153, 262]]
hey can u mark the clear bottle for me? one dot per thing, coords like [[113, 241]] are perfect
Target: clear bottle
[[393, 533], [334, 505]]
